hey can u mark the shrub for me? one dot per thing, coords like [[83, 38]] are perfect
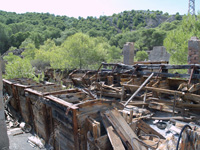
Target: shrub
[[141, 56], [20, 68]]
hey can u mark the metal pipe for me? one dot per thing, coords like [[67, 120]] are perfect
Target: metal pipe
[[136, 92]]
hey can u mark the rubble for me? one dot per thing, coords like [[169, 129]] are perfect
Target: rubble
[[116, 107]]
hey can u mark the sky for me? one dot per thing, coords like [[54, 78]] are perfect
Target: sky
[[95, 8]]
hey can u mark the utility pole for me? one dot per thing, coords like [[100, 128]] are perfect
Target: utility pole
[[191, 7]]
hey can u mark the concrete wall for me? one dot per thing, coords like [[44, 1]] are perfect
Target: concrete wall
[[4, 142], [159, 53], [128, 52]]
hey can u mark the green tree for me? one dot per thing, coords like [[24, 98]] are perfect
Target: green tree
[[120, 23], [141, 56], [176, 41], [30, 50], [18, 38], [114, 20], [114, 54], [19, 68], [83, 50], [4, 38], [10, 57]]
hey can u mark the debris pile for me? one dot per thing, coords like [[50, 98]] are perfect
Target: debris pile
[[140, 107]]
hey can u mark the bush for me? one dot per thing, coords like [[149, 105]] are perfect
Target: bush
[[141, 56], [40, 64], [20, 68]]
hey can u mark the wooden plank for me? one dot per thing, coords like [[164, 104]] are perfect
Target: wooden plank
[[110, 80], [162, 74], [192, 97], [60, 101], [131, 116], [75, 129], [94, 127], [124, 130], [133, 125], [147, 129], [159, 90], [122, 94], [137, 103], [112, 135], [162, 107], [194, 88], [185, 119], [103, 143]]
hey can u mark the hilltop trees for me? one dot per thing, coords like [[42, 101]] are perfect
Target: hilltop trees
[[77, 51], [62, 42], [4, 37], [39, 27], [176, 41], [83, 51]]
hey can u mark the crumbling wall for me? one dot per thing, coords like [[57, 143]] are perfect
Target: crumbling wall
[[159, 53], [193, 51]]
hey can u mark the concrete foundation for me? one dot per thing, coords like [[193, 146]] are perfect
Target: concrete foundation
[[128, 52]]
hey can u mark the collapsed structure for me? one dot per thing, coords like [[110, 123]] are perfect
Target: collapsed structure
[[119, 106], [109, 108]]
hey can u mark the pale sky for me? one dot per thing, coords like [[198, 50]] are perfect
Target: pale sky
[[84, 8]]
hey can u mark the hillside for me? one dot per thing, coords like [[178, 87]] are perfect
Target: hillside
[[16, 28]]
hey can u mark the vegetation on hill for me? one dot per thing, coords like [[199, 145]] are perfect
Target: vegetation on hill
[[66, 42], [15, 28], [176, 40]]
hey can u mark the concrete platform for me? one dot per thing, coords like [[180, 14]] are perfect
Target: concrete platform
[[20, 142]]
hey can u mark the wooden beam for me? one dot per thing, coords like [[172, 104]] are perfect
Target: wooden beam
[[163, 107], [192, 97], [194, 88], [185, 119], [112, 135], [137, 103], [124, 130], [94, 127], [147, 129], [159, 90]]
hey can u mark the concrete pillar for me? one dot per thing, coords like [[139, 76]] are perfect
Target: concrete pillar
[[128, 52], [194, 51], [4, 141]]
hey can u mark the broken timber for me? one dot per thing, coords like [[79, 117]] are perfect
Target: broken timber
[[73, 117], [112, 134], [129, 138], [145, 82]]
